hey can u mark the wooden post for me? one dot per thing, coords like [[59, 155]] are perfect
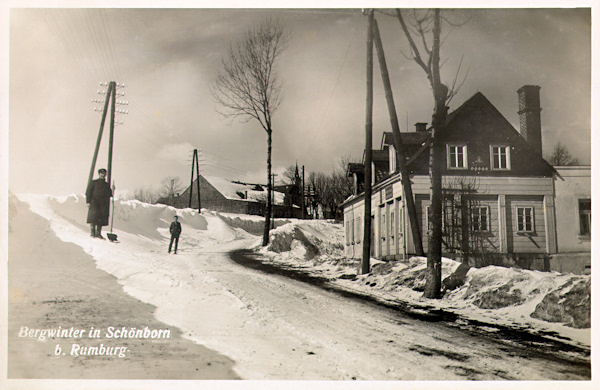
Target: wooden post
[[197, 180], [104, 111], [192, 179], [400, 157], [366, 255], [303, 194], [112, 130]]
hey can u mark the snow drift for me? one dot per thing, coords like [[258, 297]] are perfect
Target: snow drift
[[544, 301]]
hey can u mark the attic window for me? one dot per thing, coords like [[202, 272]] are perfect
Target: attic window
[[456, 156], [500, 157]]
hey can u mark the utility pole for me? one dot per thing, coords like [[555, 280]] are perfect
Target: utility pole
[[366, 255], [303, 193], [111, 94], [198, 181], [104, 111], [196, 164], [112, 131], [400, 157]]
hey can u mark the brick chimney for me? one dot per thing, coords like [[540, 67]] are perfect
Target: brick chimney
[[529, 116], [420, 127]]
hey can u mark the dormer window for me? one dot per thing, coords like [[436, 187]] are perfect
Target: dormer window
[[500, 155], [392, 158], [456, 156]]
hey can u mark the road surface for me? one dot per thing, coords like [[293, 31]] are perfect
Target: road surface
[[278, 327]]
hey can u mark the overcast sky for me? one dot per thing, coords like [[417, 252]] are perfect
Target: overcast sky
[[169, 58]]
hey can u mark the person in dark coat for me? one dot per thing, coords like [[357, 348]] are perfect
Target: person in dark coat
[[97, 196], [175, 230]]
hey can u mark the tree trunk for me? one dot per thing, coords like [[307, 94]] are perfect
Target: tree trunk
[[265, 241], [436, 164]]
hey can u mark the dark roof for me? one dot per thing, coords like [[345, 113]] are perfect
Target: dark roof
[[380, 155], [409, 138], [420, 160], [355, 168]]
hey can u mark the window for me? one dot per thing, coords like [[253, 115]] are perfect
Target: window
[[500, 157], [382, 231], [358, 226], [457, 156], [585, 216], [525, 219], [480, 219]]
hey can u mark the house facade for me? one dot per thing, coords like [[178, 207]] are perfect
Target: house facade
[[499, 194]]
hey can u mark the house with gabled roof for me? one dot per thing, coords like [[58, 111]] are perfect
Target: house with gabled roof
[[231, 196], [498, 191]]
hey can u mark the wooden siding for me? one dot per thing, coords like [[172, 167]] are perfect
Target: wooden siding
[[499, 194], [353, 225], [491, 185], [481, 242], [521, 242]]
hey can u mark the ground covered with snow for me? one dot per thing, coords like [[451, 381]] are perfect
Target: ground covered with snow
[[546, 302], [556, 305]]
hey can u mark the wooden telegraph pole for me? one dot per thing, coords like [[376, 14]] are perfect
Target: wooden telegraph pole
[[400, 157], [303, 192], [109, 92], [112, 130], [111, 95], [196, 164], [366, 255]]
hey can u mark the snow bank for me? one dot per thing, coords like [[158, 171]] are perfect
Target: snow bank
[[542, 301]]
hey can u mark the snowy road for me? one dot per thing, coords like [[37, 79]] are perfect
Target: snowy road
[[278, 328], [275, 327]]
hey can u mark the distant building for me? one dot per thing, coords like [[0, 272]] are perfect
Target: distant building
[[292, 195], [229, 196], [503, 203]]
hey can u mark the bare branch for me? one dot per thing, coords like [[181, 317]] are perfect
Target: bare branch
[[414, 48], [248, 87], [456, 88]]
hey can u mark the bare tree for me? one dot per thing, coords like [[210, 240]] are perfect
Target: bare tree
[[248, 87], [560, 156], [289, 175], [144, 194], [427, 27]]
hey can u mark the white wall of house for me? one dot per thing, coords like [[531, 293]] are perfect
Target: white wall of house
[[506, 199], [573, 189]]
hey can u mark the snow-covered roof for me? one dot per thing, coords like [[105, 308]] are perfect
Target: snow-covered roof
[[242, 191]]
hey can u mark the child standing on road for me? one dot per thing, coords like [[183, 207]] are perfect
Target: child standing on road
[[175, 230]]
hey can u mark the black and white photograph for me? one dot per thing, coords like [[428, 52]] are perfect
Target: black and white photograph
[[283, 196]]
